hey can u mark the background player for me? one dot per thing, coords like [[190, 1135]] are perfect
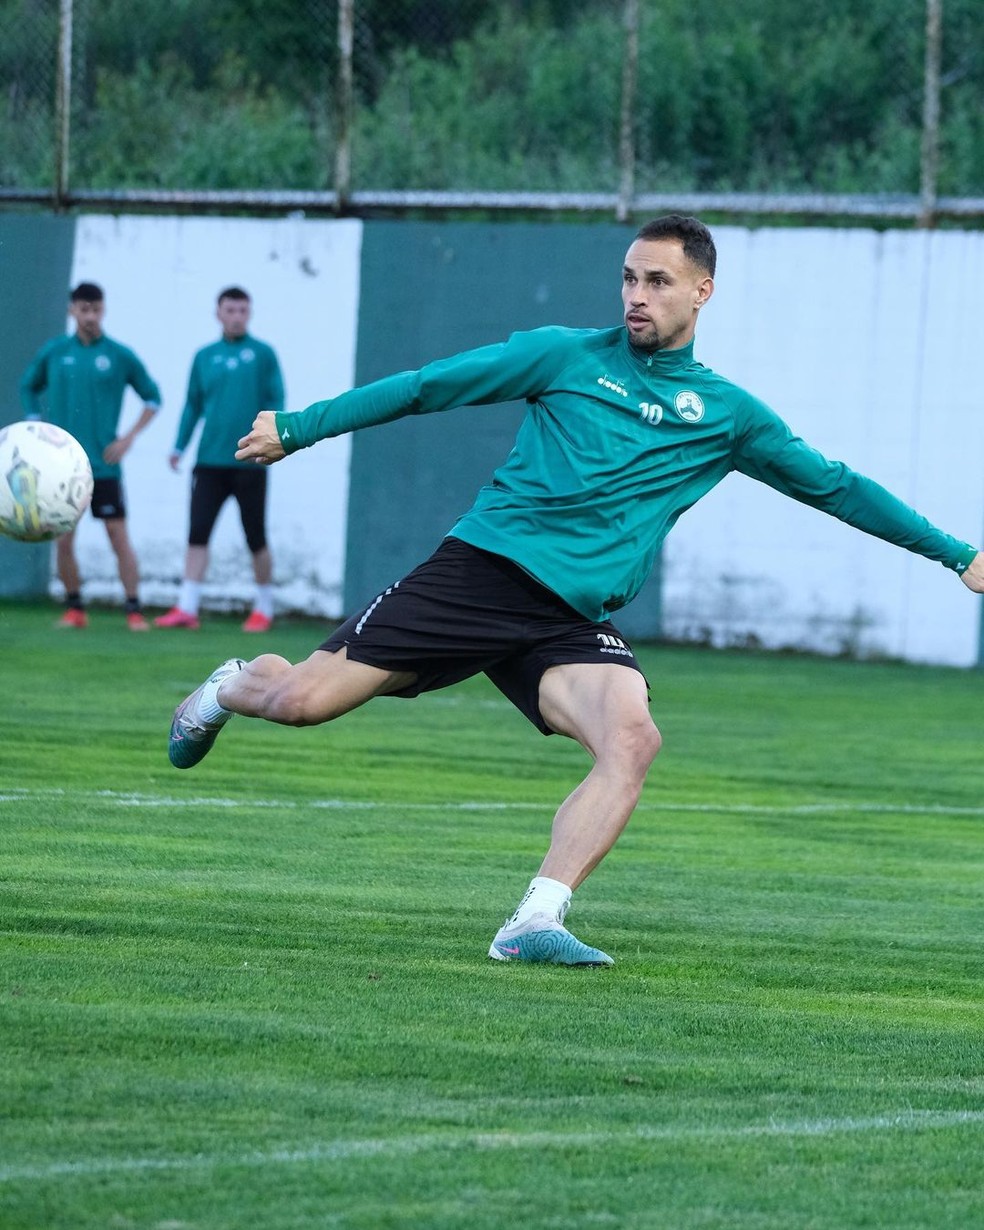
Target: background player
[[84, 377], [230, 382]]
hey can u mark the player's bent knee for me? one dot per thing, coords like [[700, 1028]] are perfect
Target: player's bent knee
[[653, 742], [637, 745]]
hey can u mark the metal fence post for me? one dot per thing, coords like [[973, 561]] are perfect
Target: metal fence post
[[626, 142], [63, 103], [344, 104], [930, 158]]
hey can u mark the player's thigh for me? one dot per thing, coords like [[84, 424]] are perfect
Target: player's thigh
[[250, 492], [210, 488], [603, 705], [117, 532]]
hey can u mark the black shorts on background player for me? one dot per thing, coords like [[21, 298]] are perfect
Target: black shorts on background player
[[108, 500], [211, 486]]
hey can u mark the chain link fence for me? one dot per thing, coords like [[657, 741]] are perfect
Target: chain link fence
[[354, 106]]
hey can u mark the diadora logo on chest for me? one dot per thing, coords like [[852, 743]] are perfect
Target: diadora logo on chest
[[616, 386]]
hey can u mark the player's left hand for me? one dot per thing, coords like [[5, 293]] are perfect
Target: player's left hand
[[973, 574]]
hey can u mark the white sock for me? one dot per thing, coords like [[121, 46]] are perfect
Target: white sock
[[263, 602], [208, 705], [544, 896], [189, 597]]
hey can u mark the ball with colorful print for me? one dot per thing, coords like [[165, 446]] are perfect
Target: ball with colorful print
[[45, 481]]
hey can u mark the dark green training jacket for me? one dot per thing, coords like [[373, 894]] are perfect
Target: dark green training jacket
[[230, 382], [84, 387], [615, 445]]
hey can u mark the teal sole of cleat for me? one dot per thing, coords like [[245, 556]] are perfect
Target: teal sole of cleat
[[180, 761], [548, 948], [185, 754]]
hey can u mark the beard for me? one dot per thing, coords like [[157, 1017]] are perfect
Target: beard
[[648, 339], [651, 338]]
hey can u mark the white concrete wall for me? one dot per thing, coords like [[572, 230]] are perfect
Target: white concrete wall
[[161, 277], [866, 344]]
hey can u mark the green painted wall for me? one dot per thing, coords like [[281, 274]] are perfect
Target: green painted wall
[[430, 290], [35, 267]]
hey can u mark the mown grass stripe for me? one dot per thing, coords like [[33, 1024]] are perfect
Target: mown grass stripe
[[343, 1150], [126, 798]]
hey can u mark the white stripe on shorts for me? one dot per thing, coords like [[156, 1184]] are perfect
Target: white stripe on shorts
[[372, 606]]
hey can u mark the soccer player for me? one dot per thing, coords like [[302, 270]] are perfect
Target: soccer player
[[84, 376], [230, 382], [624, 431]]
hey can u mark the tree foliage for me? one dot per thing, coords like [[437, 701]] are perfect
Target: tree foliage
[[767, 95]]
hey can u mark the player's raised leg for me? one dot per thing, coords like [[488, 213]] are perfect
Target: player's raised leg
[[322, 687], [605, 708]]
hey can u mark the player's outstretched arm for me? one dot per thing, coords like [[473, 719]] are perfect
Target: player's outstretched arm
[[973, 575], [262, 445]]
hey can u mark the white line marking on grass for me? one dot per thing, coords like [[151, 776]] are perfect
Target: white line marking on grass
[[128, 798], [343, 1150]]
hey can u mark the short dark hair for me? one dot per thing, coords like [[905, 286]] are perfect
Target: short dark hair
[[87, 292], [698, 244], [233, 292]]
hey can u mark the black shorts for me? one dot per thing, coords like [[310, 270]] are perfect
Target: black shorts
[[107, 499], [465, 611], [211, 486]]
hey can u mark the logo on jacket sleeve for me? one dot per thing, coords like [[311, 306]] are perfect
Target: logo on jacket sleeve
[[689, 406]]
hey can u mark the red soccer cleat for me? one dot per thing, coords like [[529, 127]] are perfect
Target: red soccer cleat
[[74, 618], [258, 622], [176, 618], [136, 622]]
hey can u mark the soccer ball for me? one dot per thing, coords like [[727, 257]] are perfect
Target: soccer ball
[[45, 481]]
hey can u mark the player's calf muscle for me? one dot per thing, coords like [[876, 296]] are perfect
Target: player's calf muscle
[[250, 692], [284, 694], [306, 694]]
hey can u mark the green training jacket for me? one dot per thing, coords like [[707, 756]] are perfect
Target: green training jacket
[[615, 445], [84, 387], [229, 384]]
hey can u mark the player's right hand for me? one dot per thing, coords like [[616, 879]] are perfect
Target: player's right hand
[[262, 445], [973, 576]]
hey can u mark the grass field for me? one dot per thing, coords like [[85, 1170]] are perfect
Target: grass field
[[256, 995]]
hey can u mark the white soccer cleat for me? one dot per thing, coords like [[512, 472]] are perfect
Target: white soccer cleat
[[191, 736]]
